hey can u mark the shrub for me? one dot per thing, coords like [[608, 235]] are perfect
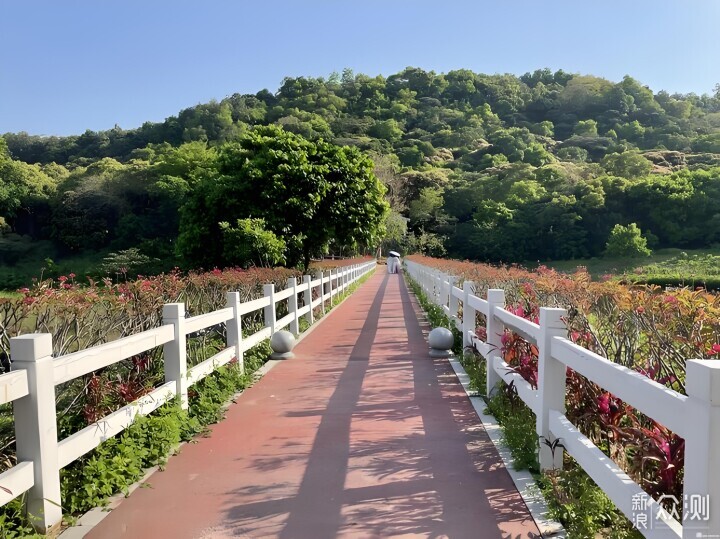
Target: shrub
[[626, 242], [647, 329]]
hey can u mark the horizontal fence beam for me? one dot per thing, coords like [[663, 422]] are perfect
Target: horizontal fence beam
[[204, 321], [76, 445], [13, 386], [86, 361], [284, 321], [32, 385], [254, 305], [526, 329], [283, 294], [16, 481], [525, 391], [255, 339], [614, 482], [651, 398], [201, 370], [479, 304]]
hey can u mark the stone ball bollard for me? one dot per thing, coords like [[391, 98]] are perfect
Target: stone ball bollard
[[441, 342], [282, 342]]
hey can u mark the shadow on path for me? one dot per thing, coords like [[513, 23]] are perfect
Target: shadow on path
[[321, 493]]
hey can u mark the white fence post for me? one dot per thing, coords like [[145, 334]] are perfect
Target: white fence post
[[702, 458], [269, 311], [452, 300], [233, 328], [441, 289], [175, 351], [36, 427], [307, 298], [494, 330], [293, 306], [321, 290], [468, 319], [551, 385]]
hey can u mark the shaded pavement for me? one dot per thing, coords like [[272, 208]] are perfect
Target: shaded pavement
[[362, 435]]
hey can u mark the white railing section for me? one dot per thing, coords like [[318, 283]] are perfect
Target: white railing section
[[695, 416], [36, 373]]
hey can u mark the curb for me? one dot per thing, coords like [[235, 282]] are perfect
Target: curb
[[93, 517], [523, 479]]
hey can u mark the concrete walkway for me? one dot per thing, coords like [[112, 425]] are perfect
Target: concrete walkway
[[360, 436]]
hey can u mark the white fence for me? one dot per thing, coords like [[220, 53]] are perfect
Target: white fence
[[31, 384], [695, 416]]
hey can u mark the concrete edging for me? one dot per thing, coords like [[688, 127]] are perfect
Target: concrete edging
[[523, 479]]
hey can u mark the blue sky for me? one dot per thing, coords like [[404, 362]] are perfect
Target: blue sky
[[70, 65]]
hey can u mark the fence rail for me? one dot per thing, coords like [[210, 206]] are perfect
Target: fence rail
[[695, 416], [31, 384]]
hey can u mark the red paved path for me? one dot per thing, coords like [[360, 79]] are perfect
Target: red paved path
[[360, 436]]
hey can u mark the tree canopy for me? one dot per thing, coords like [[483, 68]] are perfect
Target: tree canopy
[[492, 167], [308, 193]]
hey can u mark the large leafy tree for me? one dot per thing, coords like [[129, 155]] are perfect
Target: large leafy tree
[[307, 193], [22, 187]]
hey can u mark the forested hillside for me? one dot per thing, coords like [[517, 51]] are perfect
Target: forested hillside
[[486, 167]]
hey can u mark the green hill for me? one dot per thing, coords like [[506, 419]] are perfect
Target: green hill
[[490, 167]]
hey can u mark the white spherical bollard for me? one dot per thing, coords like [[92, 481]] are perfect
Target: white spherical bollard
[[282, 342], [441, 342]]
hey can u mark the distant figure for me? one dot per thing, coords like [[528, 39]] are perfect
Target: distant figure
[[393, 262]]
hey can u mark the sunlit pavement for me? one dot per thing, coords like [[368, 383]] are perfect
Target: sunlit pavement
[[361, 435]]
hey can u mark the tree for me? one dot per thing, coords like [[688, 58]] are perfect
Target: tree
[[307, 193], [249, 243], [626, 164], [21, 185], [627, 242], [586, 128], [395, 231]]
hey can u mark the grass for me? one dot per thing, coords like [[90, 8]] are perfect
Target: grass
[[38, 264], [692, 265]]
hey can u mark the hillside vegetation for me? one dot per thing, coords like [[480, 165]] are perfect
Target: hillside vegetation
[[486, 167]]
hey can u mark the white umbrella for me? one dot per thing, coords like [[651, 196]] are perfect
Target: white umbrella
[[394, 253]]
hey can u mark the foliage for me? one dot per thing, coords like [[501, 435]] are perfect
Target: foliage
[[574, 499], [518, 428], [644, 328], [128, 261], [684, 269], [13, 523], [626, 241], [582, 507], [249, 243], [120, 461], [586, 152], [307, 193]]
